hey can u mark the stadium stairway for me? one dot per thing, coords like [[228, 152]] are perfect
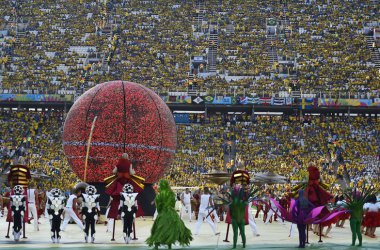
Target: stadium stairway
[[192, 89], [212, 51], [229, 152], [19, 35], [285, 22], [199, 15], [271, 49], [375, 54]]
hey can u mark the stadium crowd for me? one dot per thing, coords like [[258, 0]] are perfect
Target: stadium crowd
[[37, 137], [77, 44], [281, 144]]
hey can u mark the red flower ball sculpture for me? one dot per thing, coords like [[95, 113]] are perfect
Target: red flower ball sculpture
[[130, 118]]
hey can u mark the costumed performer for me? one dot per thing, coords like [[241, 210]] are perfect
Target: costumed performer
[[355, 201], [128, 209], [206, 207], [301, 209], [18, 207], [33, 203], [317, 195], [123, 173], [168, 228], [71, 207], [186, 198], [90, 211], [238, 207], [54, 207], [19, 174], [371, 216]]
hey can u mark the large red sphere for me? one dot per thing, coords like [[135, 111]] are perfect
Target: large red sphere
[[130, 118]]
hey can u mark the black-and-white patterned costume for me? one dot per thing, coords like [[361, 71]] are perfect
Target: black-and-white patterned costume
[[55, 206], [90, 211], [18, 205], [128, 209]]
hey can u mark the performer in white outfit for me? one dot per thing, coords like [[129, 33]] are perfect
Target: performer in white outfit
[[205, 207], [69, 211], [214, 213], [32, 206], [273, 209], [251, 221], [186, 204]]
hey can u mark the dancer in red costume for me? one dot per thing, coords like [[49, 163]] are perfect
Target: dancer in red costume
[[314, 192], [123, 174], [318, 196]]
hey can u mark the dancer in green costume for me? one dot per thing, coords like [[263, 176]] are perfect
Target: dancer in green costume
[[168, 228], [354, 203], [238, 202]]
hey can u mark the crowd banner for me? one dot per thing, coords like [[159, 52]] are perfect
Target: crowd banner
[[177, 99], [280, 101], [35, 98], [309, 103], [249, 100], [330, 102], [302, 103], [266, 101], [224, 100], [376, 102], [197, 100]]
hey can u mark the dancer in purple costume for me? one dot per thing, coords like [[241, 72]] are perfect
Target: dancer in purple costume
[[301, 209]]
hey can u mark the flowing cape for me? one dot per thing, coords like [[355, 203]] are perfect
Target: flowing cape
[[313, 217]]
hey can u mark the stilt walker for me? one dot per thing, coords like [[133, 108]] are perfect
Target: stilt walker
[[90, 211], [128, 209], [18, 208], [55, 205], [123, 173]]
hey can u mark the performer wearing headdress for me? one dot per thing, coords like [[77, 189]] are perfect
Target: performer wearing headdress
[[128, 209], [55, 205], [238, 207], [90, 211], [19, 174], [168, 228], [315, 193], [18, 207]]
